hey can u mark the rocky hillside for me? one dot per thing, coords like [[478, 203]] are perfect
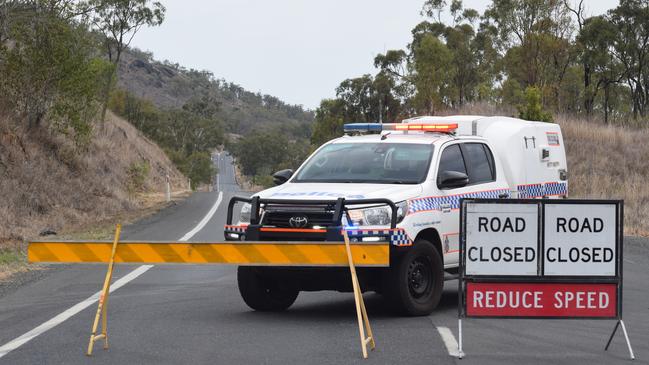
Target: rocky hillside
[[170, 85]]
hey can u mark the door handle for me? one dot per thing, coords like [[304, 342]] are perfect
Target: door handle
[[445, 208]]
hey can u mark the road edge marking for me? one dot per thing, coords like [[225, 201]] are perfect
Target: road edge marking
[[68, 313], [204, 221], [449, 341]]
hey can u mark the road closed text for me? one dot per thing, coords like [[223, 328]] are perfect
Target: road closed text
[[541, 300], [580, 240], [502, 239]]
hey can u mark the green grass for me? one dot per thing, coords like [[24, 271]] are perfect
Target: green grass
[[10, 257]]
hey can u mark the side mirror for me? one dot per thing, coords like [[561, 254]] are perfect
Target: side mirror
[[282, 176], [452, 179]]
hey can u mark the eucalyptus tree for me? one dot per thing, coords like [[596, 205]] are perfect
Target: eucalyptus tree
[[119, 21]]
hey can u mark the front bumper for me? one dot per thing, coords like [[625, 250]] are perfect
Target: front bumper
[[396, 236], [332, 231]]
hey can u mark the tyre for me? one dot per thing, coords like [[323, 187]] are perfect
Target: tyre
[[263, 293], [415, 281]]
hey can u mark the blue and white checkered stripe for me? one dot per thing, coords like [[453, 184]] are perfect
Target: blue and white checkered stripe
[[453, 201], [540, 190], [398, 237], [367, 232], [556, 188], [235, 229]]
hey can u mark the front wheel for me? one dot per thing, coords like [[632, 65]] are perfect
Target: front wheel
[[414, 283], [263, 292]]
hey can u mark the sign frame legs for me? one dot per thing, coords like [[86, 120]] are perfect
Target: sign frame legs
[[626, 338], [102, 307], [361, 312]]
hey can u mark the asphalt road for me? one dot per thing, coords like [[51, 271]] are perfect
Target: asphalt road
[[173, 314]]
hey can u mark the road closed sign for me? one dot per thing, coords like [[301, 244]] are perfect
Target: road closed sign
[[502, 239], [541, 258], [579, 240]]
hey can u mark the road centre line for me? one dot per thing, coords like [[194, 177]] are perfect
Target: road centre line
[[68, 313], [205, 219]]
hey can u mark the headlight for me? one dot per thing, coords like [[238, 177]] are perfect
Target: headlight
[[378, 216], [244, 217]]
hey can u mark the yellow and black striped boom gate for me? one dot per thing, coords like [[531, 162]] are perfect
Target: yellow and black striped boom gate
[[238, 253], [264, 253]]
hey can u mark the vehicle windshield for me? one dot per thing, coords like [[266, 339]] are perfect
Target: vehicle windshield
[[376, 163]]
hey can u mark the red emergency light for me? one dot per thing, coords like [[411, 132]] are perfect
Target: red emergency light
[[377, 127], [425, 127]]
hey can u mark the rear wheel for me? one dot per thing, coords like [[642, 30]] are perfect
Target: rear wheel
[[414, 283], [263, 292]]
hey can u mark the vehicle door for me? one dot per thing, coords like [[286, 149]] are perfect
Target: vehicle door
[[474, 159]]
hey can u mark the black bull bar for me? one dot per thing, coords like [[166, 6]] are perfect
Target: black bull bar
[[338, 207]]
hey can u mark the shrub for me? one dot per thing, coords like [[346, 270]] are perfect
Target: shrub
[[137, 174], [533, 109]]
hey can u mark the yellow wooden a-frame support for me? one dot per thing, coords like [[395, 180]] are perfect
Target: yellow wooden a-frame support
[[102, 307], [361, 312]]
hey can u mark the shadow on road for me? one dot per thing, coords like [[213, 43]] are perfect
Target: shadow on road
[[338, 307]]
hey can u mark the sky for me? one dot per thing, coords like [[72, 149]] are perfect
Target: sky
[[296, 50]]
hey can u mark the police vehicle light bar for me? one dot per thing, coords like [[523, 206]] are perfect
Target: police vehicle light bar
[[377, 127]]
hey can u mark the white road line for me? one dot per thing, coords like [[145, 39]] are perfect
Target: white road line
[[206, 219], [449, 341], [65, 315], [12, 345]]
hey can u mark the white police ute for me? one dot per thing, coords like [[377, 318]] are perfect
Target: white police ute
[[400, 182]]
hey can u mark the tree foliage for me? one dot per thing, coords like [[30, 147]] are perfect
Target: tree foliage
[[188, 134], [261, 153], [49, 66], [118, 21], [539, 56], [532, 109]]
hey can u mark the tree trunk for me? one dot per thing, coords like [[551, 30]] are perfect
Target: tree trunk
[[588, 95], [606, 98]]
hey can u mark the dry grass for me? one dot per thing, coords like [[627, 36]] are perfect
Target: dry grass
[[610, 162], [46, 184], [604, 162]]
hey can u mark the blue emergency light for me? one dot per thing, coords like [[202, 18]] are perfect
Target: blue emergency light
[[363, 127], [378, 127]]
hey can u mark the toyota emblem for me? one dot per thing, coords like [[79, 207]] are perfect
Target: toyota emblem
[[299, 221]]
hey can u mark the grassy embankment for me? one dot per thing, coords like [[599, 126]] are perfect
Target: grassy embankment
[[610, 162], [46, 184]]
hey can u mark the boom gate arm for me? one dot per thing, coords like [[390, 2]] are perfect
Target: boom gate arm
[[331, 254]]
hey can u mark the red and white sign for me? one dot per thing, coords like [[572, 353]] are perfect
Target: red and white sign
[[541, 300]]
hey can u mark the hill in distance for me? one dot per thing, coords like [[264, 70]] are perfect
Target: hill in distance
[[168, 86]]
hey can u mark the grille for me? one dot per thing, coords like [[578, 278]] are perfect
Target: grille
[[280, 218]]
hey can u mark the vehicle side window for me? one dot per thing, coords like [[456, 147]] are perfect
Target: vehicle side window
[[492, 164], [479, 163], [451, 160]]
